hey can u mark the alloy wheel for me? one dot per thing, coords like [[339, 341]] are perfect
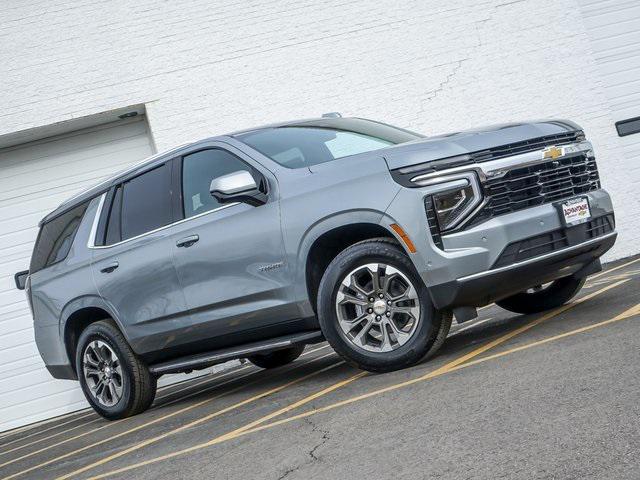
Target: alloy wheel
[[103, 373], [377, 307]]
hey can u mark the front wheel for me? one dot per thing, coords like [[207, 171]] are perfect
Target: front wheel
[[375, 310], [543, 297], [113, 379]]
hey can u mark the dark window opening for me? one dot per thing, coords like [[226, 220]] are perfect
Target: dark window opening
[[146, 203], [55, 238], [113, 234]]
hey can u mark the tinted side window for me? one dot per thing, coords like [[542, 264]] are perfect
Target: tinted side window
[[113, 234], [146, 202], [198, 169], [55, 239]]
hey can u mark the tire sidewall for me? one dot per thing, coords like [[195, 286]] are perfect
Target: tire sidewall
[[97, 332], [357, 256]]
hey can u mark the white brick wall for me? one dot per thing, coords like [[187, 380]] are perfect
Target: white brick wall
[[207, 67]]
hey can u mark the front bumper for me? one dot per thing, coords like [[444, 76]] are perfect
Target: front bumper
[[468, 270], [489, 286]]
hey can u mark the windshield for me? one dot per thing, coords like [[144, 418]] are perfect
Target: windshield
[[311, 143]]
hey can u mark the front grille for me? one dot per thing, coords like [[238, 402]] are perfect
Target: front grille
[[538, 184], [551, 241], [527, 146], [404, 175]]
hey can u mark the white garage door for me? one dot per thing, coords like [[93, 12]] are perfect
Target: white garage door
[[34, 179], [613, 27]]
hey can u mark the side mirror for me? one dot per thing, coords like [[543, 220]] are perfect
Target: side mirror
[[239, 186], [21, 279]]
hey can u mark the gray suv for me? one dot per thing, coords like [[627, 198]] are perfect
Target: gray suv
[[254, 244]]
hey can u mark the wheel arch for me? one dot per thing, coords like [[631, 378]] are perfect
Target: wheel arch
[[78, 315], [328, 238]]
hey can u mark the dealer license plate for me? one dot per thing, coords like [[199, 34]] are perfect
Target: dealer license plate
[[575, 211]]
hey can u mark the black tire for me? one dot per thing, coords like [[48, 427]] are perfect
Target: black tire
[[277, 358], [433, 325], [138, 384], [554, 295]]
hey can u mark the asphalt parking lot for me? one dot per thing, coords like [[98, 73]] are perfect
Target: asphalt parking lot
[[552, 395]]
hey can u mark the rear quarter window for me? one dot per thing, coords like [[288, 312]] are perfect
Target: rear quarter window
[[55, 238]]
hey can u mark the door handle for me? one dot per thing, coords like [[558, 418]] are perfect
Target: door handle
[[110, 268], [186, 242]]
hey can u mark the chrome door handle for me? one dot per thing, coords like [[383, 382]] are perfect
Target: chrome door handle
[[110, 268], [186, 242]]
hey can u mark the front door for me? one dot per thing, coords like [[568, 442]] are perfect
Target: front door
[[230, 257]]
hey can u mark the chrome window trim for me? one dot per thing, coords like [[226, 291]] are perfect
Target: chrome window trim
[[487, 273], [499, 167], [92, 239]]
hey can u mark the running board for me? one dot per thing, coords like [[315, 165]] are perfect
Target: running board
[[207, 359]]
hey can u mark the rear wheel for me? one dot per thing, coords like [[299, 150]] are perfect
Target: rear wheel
[[375, 310], [114, 380], [543, 297], [277, 358]]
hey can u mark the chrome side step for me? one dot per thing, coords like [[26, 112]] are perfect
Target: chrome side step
[[207, 359]]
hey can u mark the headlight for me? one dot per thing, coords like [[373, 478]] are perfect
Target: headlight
[[454, 197], [450, 206]]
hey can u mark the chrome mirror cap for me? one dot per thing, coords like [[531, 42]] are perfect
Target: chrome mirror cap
[[233, 183]]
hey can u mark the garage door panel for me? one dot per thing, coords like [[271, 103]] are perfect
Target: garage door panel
[[626, 71], [21, 337], [8, 267], [15, 257], [45, 405], [30, 385], [613, 28], [14, 222], [16, 323], [85, 168], [25, 364], [34, 180], [614, 48], [68, 147]]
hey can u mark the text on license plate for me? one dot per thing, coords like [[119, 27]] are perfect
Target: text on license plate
[[576, 211]]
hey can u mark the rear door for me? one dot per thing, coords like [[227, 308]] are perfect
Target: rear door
[[132, 262], [234, 273]]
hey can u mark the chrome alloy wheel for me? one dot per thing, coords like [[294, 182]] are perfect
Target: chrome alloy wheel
[[102, 373], [378, 307]]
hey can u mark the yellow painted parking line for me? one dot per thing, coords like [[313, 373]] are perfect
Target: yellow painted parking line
[[78, 415], [203, 419], [202, 381], [238, 431], [605, 272], [297, 404], [450, 366], [467, 327], [632, 312], [53, 427], [49, 437], [134, 429]]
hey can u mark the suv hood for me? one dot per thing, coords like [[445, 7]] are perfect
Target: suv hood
[[470, 141]]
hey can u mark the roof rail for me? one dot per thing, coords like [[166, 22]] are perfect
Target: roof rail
[[332, 115]]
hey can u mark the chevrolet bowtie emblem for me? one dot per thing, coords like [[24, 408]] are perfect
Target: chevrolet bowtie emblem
[[552, 152]]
